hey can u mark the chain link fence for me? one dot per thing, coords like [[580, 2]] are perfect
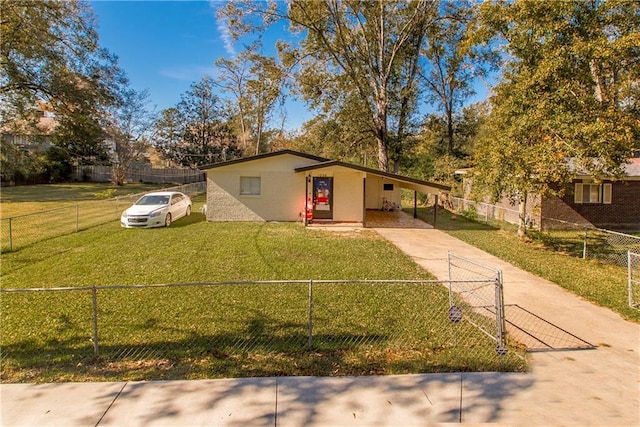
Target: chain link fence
[[244, 329], [578, 240], [24, 230], [633, 268]]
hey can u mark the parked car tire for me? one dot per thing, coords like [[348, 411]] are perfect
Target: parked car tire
[[167, 220], [188, 211]]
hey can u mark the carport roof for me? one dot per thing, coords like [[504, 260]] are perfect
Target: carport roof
[[411, 183]]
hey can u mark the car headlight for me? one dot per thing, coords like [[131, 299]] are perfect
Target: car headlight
[[155, 214], [124, 214]]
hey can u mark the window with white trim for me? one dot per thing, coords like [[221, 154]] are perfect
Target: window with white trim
[[591, 193], [250, 185]]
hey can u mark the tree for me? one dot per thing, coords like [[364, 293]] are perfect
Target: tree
[[49, 53], [129, 127], [362, 44], [568, 100], [256, 82], [454, 62], [195, 132], [351, 51]]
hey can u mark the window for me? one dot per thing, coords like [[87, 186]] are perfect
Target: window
[[586, 192], [249, 185], [387, 187]]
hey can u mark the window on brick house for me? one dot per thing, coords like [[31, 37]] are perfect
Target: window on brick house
[[590, 193]]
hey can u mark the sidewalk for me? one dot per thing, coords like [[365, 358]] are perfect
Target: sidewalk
[[598, 387]]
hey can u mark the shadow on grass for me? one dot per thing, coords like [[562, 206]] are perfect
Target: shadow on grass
[[446, 220], [186, 221], [259, 351]]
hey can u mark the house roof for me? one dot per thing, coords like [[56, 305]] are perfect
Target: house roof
[[631, 169], [421, 184], [323, 163], [263, 156]]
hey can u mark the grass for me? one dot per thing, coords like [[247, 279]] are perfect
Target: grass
[[226, 330], [22, 200], [35, 213], [601, 283]]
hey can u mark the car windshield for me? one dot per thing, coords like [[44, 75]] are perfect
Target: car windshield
[[153, 200]]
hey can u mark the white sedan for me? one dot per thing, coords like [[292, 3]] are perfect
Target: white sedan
[[156, 210]]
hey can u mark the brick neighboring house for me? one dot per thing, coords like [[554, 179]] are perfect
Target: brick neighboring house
[[609, 204]]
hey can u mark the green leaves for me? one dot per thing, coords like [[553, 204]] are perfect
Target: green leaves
[[565, 94]]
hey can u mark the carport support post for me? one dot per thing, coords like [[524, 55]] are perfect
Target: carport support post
[[435, 211], [94, 297], [415, 204]]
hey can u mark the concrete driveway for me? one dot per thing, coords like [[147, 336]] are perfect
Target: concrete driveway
[[580, 387]]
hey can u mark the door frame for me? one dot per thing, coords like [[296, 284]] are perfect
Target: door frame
[[324, 201]]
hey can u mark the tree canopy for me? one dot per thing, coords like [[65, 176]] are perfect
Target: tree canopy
[[568, 99], [49, 52], [196, 132]]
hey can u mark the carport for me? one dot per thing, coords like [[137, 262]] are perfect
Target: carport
[[344, 192]]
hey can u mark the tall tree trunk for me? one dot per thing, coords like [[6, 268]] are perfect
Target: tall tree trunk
[[450, 131], [382, 138], [522, 215]]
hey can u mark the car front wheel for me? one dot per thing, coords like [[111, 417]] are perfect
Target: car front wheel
[[167, 220], [188, 210]]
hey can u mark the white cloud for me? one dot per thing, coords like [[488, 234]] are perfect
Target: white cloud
[[223, 29]]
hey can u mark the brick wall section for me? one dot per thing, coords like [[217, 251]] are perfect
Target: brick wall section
[[222, 206], [622, 214]]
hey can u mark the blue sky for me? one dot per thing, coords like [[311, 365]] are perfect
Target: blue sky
[[165, 46]]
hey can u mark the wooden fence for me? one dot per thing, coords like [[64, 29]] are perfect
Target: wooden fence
[[150, 175]]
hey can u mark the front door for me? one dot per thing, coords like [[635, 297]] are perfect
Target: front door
[[322, 198]]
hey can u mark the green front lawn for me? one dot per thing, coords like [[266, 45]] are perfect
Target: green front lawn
[[227, 330]]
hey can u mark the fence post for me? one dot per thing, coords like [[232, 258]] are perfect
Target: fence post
[[10, 237], [629, 278], [95, 321], [310, 325], [500, 326], [584, 244], [77, 218]]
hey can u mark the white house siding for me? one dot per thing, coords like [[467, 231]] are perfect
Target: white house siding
[[282, 190], [347, 197]]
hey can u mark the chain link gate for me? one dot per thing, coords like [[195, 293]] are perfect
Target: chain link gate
[[476, 293]]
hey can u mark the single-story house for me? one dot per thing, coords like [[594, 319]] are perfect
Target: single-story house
[[610, 204], [277, 186]]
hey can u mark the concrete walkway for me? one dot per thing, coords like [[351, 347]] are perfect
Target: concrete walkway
[[598, 387]]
